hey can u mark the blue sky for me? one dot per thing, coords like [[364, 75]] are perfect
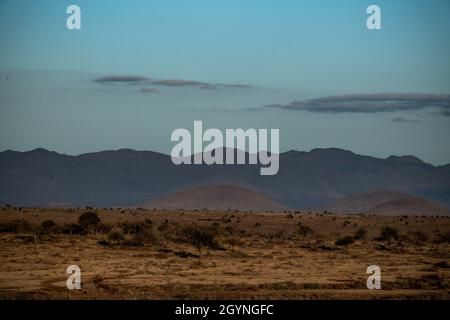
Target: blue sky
[[285, 51]]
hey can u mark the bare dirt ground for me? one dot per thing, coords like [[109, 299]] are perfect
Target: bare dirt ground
[[244, 256]]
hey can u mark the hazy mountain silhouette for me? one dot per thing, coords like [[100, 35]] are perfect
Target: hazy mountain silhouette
[[306, 180]]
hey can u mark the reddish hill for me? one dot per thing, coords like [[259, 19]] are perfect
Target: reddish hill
[[363, 202], [219, 198], [411, 206]]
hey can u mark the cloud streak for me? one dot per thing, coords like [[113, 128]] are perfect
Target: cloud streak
[[370, 103], [149, 90], [173, 83], [403, 120], [121, 79], [180, 83]]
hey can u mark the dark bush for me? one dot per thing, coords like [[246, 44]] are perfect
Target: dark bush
[[89, 220], [132, 228], [142, 233], [344, 241], [387, 234], [116, 236], [360, 234], [73, 228], [47, 227], [145, 237], [442, 264], [16, 226], [303, 230], [199, 237], [443, 238], [165, 225], [170, 229]]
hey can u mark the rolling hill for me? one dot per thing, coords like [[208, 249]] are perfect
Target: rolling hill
[[362, 202], [411, 206], [216, 197]]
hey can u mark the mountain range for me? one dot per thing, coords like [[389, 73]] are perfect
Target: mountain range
[[306, 180]]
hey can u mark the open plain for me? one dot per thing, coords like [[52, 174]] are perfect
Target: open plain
[[146, 254]]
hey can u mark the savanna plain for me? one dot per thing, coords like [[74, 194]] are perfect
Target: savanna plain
[[157, 254]]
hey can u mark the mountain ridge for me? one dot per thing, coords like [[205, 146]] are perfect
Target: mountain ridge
[[407, 158], [124, 177]]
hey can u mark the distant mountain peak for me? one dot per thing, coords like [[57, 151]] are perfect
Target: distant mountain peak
[[42, 151], [293, 153], [406, 159], [331, 151]]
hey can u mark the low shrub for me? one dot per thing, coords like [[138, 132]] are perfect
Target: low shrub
[[145, 237], [345, 241], [116, 236], [443, 238], [387, 234], [47, 227], [360, 234], [199, 236], [89, 220], [16, 226], [303, 230], [417, 237], [73, 228], [132, 228]]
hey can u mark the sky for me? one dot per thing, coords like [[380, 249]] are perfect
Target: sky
[[137, 70]]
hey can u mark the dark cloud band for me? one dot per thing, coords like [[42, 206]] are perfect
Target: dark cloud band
[[126, 79], [370, 103], [166, 82]]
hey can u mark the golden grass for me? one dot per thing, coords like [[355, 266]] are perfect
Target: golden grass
[[265, 256]]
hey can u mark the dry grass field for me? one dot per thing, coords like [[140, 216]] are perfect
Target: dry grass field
[[144, 254]]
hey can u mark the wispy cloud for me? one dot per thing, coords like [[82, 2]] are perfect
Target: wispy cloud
[[180, 83], [236, 110], [370, 103], [149, 90], [197, 84], [400, 120], [240, 86], [174, 83], [121, 79]]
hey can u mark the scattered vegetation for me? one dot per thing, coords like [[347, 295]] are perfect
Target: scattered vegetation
[[443, 237], [417, 237], [16, 226]]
